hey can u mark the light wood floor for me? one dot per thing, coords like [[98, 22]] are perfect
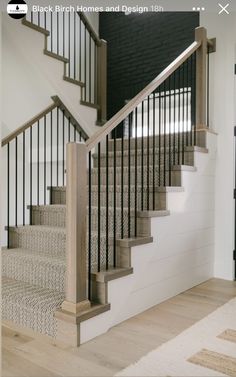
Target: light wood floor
[[28, 356]]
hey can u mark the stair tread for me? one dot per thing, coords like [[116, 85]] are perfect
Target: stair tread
[[144, 168], [62, 231], [31, 296], [39, 228], [62, 207], [125, 188], [145, 151], [36, 257]]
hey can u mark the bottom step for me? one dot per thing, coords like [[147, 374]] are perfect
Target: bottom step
[[30, 306]]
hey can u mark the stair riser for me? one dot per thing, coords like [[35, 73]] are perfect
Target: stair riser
[[44, 275], [184, 139], [160, 200], [146, 161], [44, 242], [48, 217], [38, 241], [59, 197], [43, 322], [23, 308], [170, 179]]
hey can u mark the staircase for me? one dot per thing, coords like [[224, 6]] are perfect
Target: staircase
[[61, 272], [34, 266]]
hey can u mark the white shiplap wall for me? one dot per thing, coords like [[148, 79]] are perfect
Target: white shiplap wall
[[181, 256]]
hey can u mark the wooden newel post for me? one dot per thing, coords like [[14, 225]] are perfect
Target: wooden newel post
[[201, 78], [76, 229], [102, 82]]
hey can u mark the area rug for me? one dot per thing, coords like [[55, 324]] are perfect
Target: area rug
[[208, 348]]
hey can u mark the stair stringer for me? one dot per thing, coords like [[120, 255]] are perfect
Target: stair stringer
[[181, 255], [41, 78]]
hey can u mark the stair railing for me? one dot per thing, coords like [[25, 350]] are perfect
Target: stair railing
[[71, 38], [135, 155], [35, 156]]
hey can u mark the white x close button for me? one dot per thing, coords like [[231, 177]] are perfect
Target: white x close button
[[223, 8]]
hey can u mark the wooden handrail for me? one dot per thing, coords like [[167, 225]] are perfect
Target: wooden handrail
[[134, 102], [28, 124], [57, 103], [89, 27]]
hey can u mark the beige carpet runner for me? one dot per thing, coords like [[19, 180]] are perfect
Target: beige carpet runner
[[207, 349]]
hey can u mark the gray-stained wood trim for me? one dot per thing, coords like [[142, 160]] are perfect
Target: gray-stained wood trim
[[133, 103], [57, 103]]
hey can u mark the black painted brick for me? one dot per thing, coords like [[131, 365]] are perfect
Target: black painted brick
[[140, 46]]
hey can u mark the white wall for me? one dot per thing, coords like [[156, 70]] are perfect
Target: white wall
[[180, 257], [223, 104], [30, 78]]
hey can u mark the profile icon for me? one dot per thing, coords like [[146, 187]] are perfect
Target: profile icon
[[17, 9]]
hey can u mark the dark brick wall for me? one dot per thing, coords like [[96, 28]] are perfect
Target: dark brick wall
[[140, 46]]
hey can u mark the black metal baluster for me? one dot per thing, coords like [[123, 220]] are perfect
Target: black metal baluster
[[90, 68], [165, 133], [129, 176], [194, 103], [136, 170], [58, 37], [85, 64], [45, 158], [51, 31], [16, 181], [187, 105], [174, 118], [154, 151], [179, 118], [208, 86], [31, 17], [63, 33], [51, 156], [170, 134], [39, 19], [107, 204], [148, 152], [191, 101], [80, 137], [69, 129], [23, 183], [99, 207], [80, 50], [38, 163], [57, 146], [63, 148], [8, 194], [31, 176], [160, 136], [142, 160], [90, 227], [114, 205], [183, 115], [45, 20], [74, 133], [69, 41], [75, 45], [95, 73], [122, 181]]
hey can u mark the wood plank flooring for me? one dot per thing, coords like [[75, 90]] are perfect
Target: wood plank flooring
[[32, 356]]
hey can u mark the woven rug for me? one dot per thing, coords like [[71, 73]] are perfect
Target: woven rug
[[207, 348]]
